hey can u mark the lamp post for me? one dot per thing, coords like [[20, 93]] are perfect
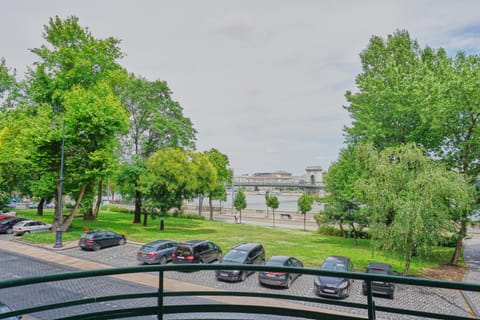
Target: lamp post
[[58, 235]]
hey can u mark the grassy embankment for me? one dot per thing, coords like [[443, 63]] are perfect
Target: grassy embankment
[[310, 247]]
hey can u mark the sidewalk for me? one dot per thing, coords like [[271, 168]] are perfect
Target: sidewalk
[[471, 255]]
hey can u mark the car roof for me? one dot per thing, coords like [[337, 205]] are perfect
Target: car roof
[[157, 242], [192, 242], [278, 258], [378, 265], [246, 246], [341, 259]]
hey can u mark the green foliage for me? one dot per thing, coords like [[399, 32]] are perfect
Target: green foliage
[[411, 200], [305, 203], [240, 200]]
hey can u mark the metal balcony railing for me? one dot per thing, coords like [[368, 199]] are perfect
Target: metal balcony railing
[[160, 308]]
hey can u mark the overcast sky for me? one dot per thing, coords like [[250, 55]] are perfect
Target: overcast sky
[[262, 81]]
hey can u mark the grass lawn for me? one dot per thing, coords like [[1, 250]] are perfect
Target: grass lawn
[[308, 246]]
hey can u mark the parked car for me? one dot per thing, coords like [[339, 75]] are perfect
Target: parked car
[[338, 287], [158, 251], [4, 309], [97, 239], [196, 251], [380, 287], [6, 225], [277, 278], [244, 253], [6, 216], [28, 226]]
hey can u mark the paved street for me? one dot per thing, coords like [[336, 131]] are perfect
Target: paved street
[[415, 298]]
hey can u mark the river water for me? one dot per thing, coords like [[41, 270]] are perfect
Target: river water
[[287, 202]]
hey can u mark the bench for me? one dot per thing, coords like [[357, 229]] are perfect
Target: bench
[[286, 215]]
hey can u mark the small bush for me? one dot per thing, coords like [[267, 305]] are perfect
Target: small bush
[[193, 216], [330, 231], [117, 209]]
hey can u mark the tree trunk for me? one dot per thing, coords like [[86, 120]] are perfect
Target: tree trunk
[[88, 215], [68, 221], [200, 204], [99, 200], [340, 225], [355, 239], [407, 263], [458, 248], [211, 207], [305, 221], [145, 218], [41, 204], [138, 206], [273, 215]]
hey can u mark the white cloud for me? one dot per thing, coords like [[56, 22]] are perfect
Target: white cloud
[[262, 80]]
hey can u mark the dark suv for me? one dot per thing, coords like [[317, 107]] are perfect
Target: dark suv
[[244, 253], [196, 251], [380, 287]]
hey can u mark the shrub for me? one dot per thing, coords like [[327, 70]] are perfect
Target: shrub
[[330, 231], [117, 209]]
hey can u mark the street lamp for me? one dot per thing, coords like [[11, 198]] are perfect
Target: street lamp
[[58, 235]]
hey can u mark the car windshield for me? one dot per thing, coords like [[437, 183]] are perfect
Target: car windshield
[[87, 236], [333, 266], [235, 256], [4, 309], [147, 249]]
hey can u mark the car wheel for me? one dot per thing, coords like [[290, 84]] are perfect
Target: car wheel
[[9, 231], [121, 242], [243, 277], [26, 232], [219, 256], [289, 282], [163, 260], [391, 296], [96, 247]]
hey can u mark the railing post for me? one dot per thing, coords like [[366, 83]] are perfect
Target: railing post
[[370, 302], [160, 296]]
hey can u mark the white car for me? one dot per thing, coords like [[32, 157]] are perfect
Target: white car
[[28, 226]]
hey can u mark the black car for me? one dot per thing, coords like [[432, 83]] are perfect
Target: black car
[[276, 278], [337, 287], [4, 309], [158, 251], [6, 225], [380, 287], [244, 253], [95, 240], [196, 251]]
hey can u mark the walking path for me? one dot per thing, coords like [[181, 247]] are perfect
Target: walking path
[[471, 255]]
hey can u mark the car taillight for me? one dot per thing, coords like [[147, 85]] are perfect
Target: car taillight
[[190, 257], [151, 254], [89, 240], [174, 255]]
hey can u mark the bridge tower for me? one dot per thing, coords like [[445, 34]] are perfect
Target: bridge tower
[[314, 175]]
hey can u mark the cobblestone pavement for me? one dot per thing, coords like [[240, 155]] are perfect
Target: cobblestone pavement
[[409, 297], [471, 255]]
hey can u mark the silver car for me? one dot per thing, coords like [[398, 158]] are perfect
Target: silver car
[[158, 251], [29, 226]]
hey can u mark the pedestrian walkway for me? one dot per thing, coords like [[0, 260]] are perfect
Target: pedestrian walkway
[[54, 255], [471, 255]]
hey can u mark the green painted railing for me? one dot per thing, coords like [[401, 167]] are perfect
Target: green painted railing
[[160, 309]]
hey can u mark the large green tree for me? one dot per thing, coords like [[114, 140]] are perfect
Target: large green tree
[[169, 179], [407, 93], [72, 79], [411, 199], [157, 122], [224, 176]]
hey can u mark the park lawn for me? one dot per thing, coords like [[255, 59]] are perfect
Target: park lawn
[[308, 246]]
